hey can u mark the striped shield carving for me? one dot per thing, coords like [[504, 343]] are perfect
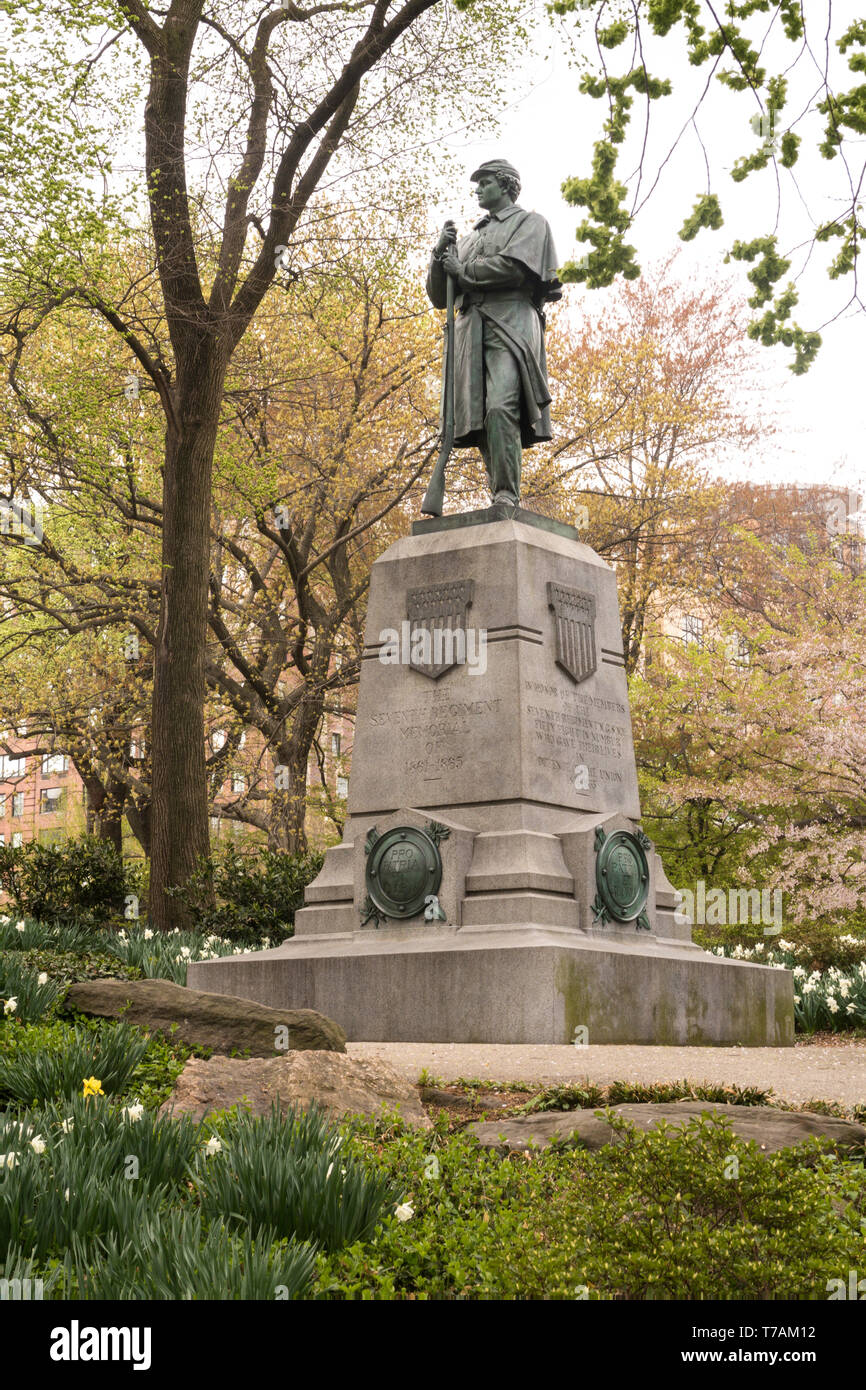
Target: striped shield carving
[[437, 615], [574, 610]]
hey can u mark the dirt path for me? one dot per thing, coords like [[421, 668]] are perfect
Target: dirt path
[[834, 1071]]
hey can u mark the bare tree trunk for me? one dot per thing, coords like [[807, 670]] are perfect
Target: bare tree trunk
[[287, 830], [179, 789], [104, 808]]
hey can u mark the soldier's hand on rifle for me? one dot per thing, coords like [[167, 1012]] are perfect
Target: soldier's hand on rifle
[[447, 238], [451, 263]]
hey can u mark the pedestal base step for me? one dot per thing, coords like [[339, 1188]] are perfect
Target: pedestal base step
[[519, 985]]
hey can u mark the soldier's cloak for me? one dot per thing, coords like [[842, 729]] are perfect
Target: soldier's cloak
[[510, 263]]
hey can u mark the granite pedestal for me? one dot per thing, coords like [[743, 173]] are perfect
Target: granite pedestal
[[496, 771]]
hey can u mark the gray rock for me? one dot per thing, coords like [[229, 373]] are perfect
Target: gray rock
[[337, 1084], [770, 1128], [221, 1021]]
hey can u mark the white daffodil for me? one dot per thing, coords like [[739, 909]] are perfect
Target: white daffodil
[[133, 1112], [42, 977], [796, 998], [11, 1005], [8, 1160], [185, 952], [148, 934], [67, 1126], [66, 1194], [20, 926], [37, 1144], [213, 1146], [832, 1006], [404, 1212]]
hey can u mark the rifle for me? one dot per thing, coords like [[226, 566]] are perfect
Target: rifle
[[435, 494]]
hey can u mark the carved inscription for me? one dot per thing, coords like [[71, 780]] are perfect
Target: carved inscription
[[570, 726], [432, 738]]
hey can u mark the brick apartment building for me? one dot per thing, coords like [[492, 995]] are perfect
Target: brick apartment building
[[43, 798]]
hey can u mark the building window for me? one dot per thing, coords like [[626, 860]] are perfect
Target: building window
[[18, 804], [214, 825], [218, 740], [239, 783], [343, 787], [55, 765], [12, 767], [52, 837], [693, 630], [50, 800], [335, 745], [17, 839], [2, 806], [2, 838]]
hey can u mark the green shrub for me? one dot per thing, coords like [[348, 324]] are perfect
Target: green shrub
[[110, 1052], [70, 967], [816, 946], [244, 898], [80, 882], [171, 1257], [288, 1174], [658, 1215]]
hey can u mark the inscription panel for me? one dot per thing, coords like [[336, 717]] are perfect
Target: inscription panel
[[570, 730]]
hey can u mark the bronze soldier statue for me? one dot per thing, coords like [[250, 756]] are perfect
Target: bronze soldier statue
[[504, 272]]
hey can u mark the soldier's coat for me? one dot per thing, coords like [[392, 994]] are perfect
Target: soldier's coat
[[510, 261]]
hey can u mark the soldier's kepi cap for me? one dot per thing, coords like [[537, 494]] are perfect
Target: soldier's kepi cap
[[494, 166]]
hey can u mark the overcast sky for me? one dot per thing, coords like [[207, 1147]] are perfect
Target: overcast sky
[[548, 134]]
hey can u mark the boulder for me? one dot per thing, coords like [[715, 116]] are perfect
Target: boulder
[[771, 1129], [221, 1021], [339, 1085]]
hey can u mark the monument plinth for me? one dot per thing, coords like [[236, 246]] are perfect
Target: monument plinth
[[493, 883]]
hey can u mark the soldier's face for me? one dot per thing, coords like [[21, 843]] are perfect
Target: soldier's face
[[490, 193]]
